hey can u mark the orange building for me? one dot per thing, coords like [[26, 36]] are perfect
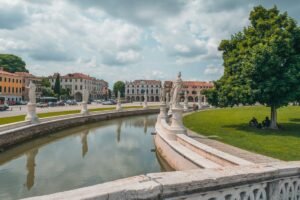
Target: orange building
[[10, 86]]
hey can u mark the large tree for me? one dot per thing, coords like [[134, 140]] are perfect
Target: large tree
[[57, 88], [12, 63], [262, 63], [119, 86]]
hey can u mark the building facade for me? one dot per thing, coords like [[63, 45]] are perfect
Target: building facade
[[26, 78], [78, 82], [193, 89], [10, 87], [135, 90]]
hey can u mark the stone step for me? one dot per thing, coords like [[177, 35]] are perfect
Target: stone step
[[195, 158], [222, 158]]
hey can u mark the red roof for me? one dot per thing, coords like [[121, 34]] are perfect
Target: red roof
[[7, 73], [147, 82]]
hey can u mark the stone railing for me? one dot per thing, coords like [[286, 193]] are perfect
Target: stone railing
[[182, 152], [277, 181]]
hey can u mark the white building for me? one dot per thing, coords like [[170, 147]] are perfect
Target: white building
[[134, 90], [77, 82]]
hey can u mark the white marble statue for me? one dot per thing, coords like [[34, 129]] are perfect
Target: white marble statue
[[177, 86], [145, 106], [31, 93], [199, 101], [167, 98], [85, 99], [119, 106], [162, 95], [185, 104], [31, 106], [85, 96]]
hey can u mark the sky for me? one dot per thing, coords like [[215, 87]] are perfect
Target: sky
[[126, 39]]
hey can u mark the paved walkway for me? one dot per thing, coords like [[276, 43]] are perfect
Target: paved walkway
[[247, 155]]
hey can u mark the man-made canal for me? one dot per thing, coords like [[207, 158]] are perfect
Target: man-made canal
[[81, 156]]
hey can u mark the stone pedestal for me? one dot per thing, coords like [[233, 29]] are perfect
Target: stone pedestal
[[31, 113], [199, 104], [162, 113], [185, 106], [145, 105], [176, 123], [119, 106], [84, 109]]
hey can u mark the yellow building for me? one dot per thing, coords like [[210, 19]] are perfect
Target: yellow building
[[10, 86]]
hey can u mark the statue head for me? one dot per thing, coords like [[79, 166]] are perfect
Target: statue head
[[179, 75]]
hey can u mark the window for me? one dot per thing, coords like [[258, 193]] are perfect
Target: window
[[4, 79], [8, 89], [4, 89], [13, 90], [132, 91], [0, 78], [80, 87], [0, 88], [9, 80], [75, 87]]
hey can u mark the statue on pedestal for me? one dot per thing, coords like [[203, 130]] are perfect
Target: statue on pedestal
[[185, 104], [31, 106], [176, 122], [177, 86], [145, 106], [31, 92], [85, 99], [119, 106]]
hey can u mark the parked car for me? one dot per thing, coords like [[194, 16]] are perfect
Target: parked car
[[41, 105], [52, 104], [109, 102], [60, 103], [3, 107], [71, 102]]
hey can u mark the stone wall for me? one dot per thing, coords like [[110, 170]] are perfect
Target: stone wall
[[25, 131]]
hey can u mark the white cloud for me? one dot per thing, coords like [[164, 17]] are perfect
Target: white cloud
[[211, 70], [104, 38]]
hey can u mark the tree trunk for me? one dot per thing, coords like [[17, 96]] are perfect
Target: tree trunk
[[273, 118]]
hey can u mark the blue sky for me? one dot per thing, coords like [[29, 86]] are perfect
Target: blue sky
[[125, 39]]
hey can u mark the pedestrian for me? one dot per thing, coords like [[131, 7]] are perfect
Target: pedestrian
[[20, 108]]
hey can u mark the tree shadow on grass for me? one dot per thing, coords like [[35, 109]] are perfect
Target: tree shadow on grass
[[295, 120], [285, 129]]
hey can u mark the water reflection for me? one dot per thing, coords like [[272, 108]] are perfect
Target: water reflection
[[30, 166], [84, 142], [80, 156]]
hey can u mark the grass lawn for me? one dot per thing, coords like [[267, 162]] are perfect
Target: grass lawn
[[231, 127], [7, 120]]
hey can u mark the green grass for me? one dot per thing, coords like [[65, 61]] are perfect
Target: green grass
[[231, 127], [13, 119]]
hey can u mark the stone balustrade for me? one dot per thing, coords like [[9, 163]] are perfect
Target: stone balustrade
[[276, 181]]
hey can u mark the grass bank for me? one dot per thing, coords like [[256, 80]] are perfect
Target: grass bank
[[230, 125]]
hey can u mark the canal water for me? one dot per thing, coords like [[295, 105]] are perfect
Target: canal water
[[81, 156]]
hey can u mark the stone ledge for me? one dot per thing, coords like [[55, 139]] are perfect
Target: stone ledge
[[17, 135], [175, 185]]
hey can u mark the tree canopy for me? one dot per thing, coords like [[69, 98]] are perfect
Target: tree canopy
[[119, 86], [261, 63], [57, 88], [12, 63]]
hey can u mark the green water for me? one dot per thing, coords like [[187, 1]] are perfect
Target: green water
[[78, 157]]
